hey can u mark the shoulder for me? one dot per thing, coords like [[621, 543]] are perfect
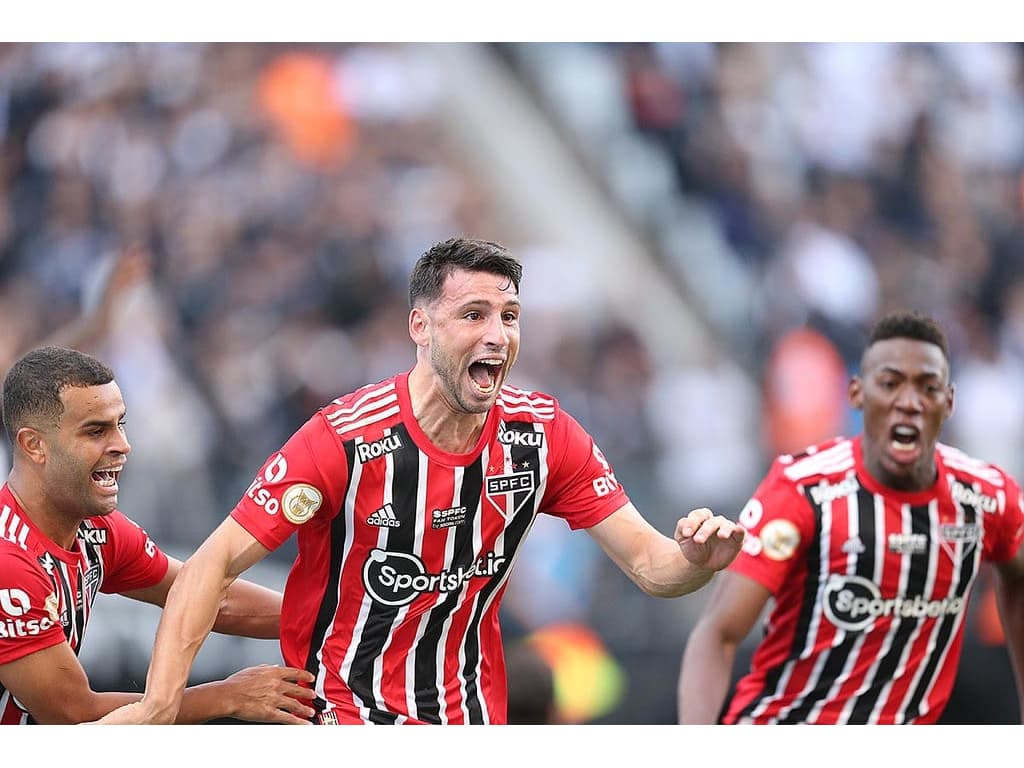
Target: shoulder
[[517, 404], [971, 470], [828, 461], [345, 416], [18, 565]]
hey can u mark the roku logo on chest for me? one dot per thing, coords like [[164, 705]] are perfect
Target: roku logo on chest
[[369, 451]]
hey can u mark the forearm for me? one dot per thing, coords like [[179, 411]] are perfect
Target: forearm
[[250, 611], [705, 676], [188, 616], [663, 571], [1010, 599]]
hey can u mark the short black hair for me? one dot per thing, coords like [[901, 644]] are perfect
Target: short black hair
[[909, 325], [426, 282], [33, 385]]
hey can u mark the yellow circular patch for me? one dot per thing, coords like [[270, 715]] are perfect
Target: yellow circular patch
[[300, 502], [780, 539]]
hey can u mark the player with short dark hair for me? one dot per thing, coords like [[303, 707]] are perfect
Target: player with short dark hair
[[62, 541], [411, 498], [869, 548]]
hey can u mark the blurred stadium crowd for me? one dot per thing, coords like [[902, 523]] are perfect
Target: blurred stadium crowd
[[790, 193]]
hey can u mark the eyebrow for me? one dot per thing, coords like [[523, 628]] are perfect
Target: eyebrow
[[901, 372], [102, 422]]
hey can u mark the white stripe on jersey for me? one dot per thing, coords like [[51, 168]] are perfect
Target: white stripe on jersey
[[350, 526], [853, 530], [512, 394], [417, 550], [351, 410], [956, 459], [17, 531], [370, 420], [929, 593], [449, 553], [835, 459], [815, 623]]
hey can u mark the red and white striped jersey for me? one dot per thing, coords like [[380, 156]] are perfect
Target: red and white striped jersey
[[404, 550], [870, 585], [47, 592]]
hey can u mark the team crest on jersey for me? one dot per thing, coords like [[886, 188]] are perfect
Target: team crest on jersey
[[502, 491], [966, 535], [300, 502]]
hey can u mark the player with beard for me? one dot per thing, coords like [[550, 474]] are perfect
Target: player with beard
[[869, 548], [411, 498], [62, 540]]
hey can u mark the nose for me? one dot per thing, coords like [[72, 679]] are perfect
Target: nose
[[120, 443], [908, 399], [496, 334]]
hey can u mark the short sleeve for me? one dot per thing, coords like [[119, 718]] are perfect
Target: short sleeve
[[780, 526], [290, 490], [29, 618], [1004, 530], [582, 487], [131, 559]]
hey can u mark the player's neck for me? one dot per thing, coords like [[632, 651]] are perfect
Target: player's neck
[[448, 428], [41, 510]]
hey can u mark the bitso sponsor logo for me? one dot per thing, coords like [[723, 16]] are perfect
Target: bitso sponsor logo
[[14, 602], [300, 502], [369, 451], [823, 491], [446, 518], [384, 517], [274, 472], [398, 578], [968, 497], [853, 603], [526, 439]]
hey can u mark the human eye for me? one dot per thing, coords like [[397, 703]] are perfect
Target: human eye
[[472, 315], [510, 317]]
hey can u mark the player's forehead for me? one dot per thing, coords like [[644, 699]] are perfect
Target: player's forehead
[[911, 357], [462, 286], [99, 403]]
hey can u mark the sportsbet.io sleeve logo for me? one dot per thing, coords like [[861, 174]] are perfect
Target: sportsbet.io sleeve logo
[[300, 502]]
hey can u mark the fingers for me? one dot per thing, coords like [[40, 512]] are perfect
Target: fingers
[[701, 524]]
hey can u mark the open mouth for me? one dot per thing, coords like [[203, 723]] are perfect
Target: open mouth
[[106, 478], [904, 439], [484, 373]]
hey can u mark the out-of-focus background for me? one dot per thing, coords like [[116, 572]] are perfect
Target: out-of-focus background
[[707, 231]]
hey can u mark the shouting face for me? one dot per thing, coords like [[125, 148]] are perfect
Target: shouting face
[[906, 396], [472, 332], [86, 451]]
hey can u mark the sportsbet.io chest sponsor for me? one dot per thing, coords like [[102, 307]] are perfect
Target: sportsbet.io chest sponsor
[[398, 578]]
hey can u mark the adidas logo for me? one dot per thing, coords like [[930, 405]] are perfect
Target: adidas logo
[[853, 545], [384, 517]]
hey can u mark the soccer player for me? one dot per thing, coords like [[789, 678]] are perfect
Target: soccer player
[[411, 498], [62, 540], [869, 547]]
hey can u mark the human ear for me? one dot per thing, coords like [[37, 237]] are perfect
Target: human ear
[[855, 392], [31, 443], [419, 326]]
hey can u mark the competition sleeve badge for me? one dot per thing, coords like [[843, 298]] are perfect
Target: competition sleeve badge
[[300, 502]]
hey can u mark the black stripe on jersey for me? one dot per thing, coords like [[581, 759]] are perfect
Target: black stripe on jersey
[[380, 618], [523, 457], [329, 599], [88, 592], [946, 626], [920, 523], [425, 668], [808, 606], [837, 657]]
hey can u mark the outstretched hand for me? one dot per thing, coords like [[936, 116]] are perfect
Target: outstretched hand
[[707, 540], [271, 694]]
